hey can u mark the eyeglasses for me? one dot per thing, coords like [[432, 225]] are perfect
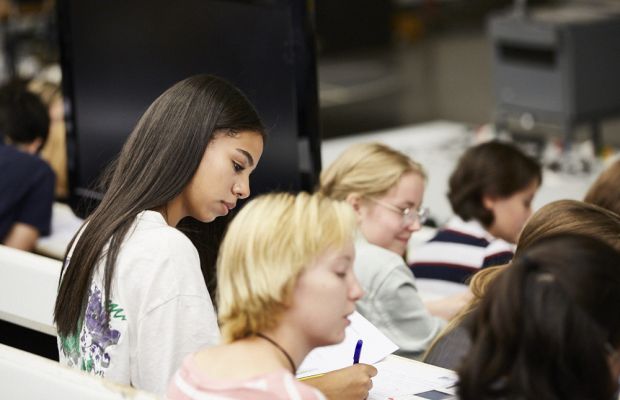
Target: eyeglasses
[[410, 215]]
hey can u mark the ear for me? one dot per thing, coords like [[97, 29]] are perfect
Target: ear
[[355, 200], [488, 202]]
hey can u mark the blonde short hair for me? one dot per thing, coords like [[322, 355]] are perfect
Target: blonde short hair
[[369, 169], [266, 248]]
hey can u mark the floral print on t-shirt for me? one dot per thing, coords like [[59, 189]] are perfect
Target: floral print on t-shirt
[[97, 335]]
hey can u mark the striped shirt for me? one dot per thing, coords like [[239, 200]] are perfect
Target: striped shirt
[[191, 383], [459, 250]]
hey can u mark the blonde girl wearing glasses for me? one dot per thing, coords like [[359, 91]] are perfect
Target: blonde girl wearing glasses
[[385, 189]]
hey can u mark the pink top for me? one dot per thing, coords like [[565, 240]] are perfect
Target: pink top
[[190, 383]]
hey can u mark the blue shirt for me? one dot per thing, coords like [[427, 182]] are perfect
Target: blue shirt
[[26, 191]]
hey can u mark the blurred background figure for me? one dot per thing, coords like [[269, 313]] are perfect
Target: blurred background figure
[[27, 182], [491, 192], [47, 85]]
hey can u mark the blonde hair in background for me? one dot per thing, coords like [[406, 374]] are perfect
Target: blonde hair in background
[[266, 248], [369, 169], [605, 191], [55, 149]]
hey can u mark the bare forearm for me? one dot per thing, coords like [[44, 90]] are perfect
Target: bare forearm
[[22, 237], [448, 307]]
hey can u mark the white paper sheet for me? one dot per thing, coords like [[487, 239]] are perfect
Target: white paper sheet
[[399, 378], [375, 348]]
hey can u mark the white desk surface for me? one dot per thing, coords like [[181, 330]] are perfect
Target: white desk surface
[[28, 285], [64, 226], [25, 376]]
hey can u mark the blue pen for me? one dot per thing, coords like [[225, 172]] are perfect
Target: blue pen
[[358, 351]]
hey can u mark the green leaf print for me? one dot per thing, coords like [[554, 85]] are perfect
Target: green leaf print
[[115, 311]]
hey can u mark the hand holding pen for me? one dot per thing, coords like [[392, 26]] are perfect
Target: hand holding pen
[[350, 383]]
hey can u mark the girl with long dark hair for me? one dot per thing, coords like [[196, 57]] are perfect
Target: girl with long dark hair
[[132, 301]]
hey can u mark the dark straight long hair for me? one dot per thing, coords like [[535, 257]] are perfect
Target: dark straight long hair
[[158, 160], [547, 325]]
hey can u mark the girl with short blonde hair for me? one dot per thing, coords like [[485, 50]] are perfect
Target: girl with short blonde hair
[[285, 286], [266, 248]]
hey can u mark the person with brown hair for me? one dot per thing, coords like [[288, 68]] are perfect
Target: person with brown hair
[[491, 192], [558, 217], [549, 326], [605, 191], [132, 301]]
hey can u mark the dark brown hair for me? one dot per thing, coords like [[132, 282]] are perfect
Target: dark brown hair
[[23, 116], [605, 191], [156, 163], [544, 329], [489, 169]]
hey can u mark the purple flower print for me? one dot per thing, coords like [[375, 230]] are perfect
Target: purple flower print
[[101, 334]]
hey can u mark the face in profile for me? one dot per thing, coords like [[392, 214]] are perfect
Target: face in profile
[[381, 220], [510, 213], [223, 175], [324, 296]]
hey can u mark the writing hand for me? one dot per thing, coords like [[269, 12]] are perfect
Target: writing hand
[[350, 383]]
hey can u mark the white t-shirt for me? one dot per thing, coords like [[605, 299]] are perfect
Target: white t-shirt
[[160, 310]]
